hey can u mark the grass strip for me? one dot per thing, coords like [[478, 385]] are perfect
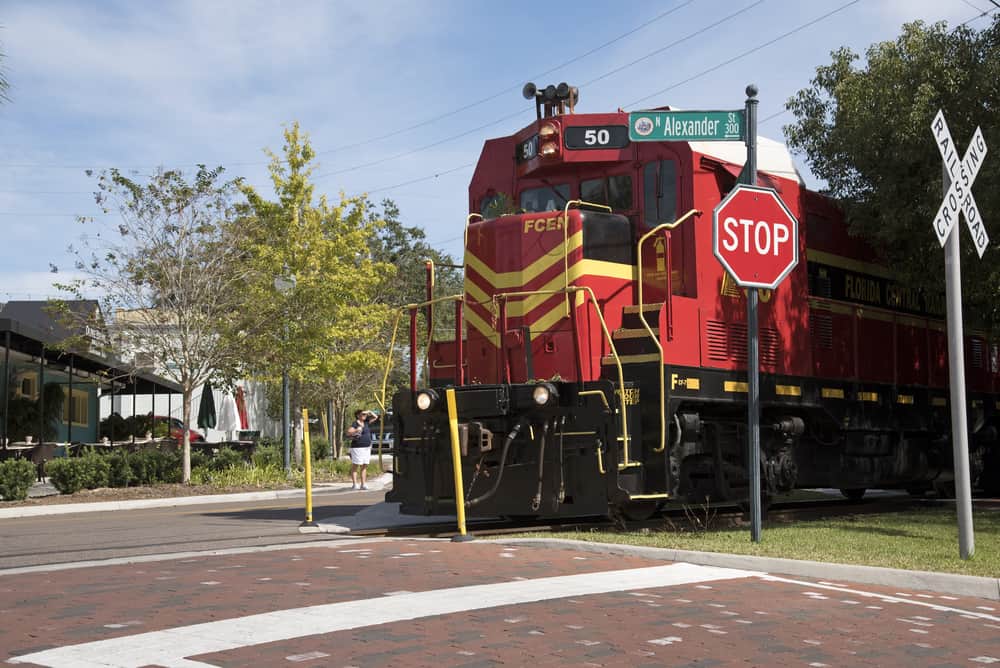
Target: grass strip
[[921, 540]]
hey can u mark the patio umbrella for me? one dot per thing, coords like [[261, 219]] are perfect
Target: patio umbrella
[[206, 409], [241, 407], [229, 419]]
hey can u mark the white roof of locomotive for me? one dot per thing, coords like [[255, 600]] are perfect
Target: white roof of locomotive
[[773, 156]]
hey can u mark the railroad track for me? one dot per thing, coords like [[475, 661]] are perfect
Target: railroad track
[[676, 517]]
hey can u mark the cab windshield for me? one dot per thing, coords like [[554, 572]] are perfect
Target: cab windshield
[[547, 198]]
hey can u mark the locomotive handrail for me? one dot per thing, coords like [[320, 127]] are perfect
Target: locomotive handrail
[[465, 233], [607, 335], [411, 308], [649, 330], [600, 393], [566, 239]]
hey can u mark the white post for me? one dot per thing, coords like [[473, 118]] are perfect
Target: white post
[[956, 375]]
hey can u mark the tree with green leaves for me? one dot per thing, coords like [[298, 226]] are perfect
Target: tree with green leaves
[[169, 276], [327, 323], [406, 248], [866, 130]]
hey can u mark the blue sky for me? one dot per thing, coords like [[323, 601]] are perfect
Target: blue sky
[[136, 85]]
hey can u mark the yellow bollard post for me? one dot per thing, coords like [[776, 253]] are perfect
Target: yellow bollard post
[[307, 455], [456, 461]]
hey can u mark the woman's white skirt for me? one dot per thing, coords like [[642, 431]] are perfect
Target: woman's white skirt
[[361, 456]]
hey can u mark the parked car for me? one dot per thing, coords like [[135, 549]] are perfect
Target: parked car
[[387, 440], [176, 429]]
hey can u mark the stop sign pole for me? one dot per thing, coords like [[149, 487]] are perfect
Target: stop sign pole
[[755, 238], [753, 347]]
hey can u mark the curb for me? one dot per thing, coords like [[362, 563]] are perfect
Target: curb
[[172, 501], [943, 583]]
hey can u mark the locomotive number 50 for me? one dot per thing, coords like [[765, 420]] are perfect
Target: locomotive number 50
[[601, 137]]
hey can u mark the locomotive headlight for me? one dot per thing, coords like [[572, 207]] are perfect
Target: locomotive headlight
[[544, 394], [426, 399], [548, 139]]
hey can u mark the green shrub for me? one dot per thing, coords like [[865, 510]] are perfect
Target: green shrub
[[119, 471], [16, 478], [240, 475], [319, 448], [198, 458], [226, 458], [156, 465], [95, 469], [268, 454], [65, 474], [328, 468]]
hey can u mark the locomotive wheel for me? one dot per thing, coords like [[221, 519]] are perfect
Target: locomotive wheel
[[854, 494]]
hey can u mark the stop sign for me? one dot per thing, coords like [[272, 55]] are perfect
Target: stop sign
[[755, 236]]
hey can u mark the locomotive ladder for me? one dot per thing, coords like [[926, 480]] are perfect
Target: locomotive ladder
[[649, 330]]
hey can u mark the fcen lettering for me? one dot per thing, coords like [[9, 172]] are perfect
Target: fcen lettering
[[543, 224]]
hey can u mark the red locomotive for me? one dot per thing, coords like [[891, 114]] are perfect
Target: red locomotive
[[603, 362]]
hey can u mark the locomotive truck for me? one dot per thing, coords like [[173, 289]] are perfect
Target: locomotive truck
[[599, 360]]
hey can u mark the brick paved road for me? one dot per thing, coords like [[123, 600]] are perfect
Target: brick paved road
[[376, 603]]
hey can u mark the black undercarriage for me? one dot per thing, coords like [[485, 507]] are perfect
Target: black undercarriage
[[573, 456]]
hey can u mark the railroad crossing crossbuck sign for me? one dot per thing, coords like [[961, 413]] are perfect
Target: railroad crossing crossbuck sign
[[959, 196], [755, 237]]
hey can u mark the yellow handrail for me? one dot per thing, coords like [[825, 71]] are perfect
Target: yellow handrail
[[600, 459], [395, 329], [465, 234], [607, 335], [649, 330], [565, 226]]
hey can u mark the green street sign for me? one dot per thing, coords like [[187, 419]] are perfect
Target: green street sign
[[686, 125]]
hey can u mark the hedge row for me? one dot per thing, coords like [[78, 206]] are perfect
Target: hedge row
[[95, 469]]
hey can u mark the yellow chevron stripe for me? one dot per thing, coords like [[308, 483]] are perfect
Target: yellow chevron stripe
[[519, 306], [516, 279], [483, 327]]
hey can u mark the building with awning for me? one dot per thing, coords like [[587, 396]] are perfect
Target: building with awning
[[35, 362]]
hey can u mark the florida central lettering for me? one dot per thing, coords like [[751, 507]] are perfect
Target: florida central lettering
[[766, 238]]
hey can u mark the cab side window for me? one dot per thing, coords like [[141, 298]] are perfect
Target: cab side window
[[614, 191], [659, 181]]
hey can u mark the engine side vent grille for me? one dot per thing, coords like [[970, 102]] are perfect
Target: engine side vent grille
[[821, 327], [978, 360], [768, 346], [718, 340], [738, 342]]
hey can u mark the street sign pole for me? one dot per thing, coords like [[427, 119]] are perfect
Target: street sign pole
[[753, 366], [956, 376]]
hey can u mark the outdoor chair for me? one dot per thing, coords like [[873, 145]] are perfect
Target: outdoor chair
[[40, 454]]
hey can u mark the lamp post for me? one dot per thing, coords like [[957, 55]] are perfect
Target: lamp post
[[285, 284]]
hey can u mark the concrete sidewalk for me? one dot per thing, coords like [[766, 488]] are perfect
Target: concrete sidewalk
[[378, 483]]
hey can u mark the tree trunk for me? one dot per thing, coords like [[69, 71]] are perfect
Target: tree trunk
[[331, 421], [296, 421], [186, 460]]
